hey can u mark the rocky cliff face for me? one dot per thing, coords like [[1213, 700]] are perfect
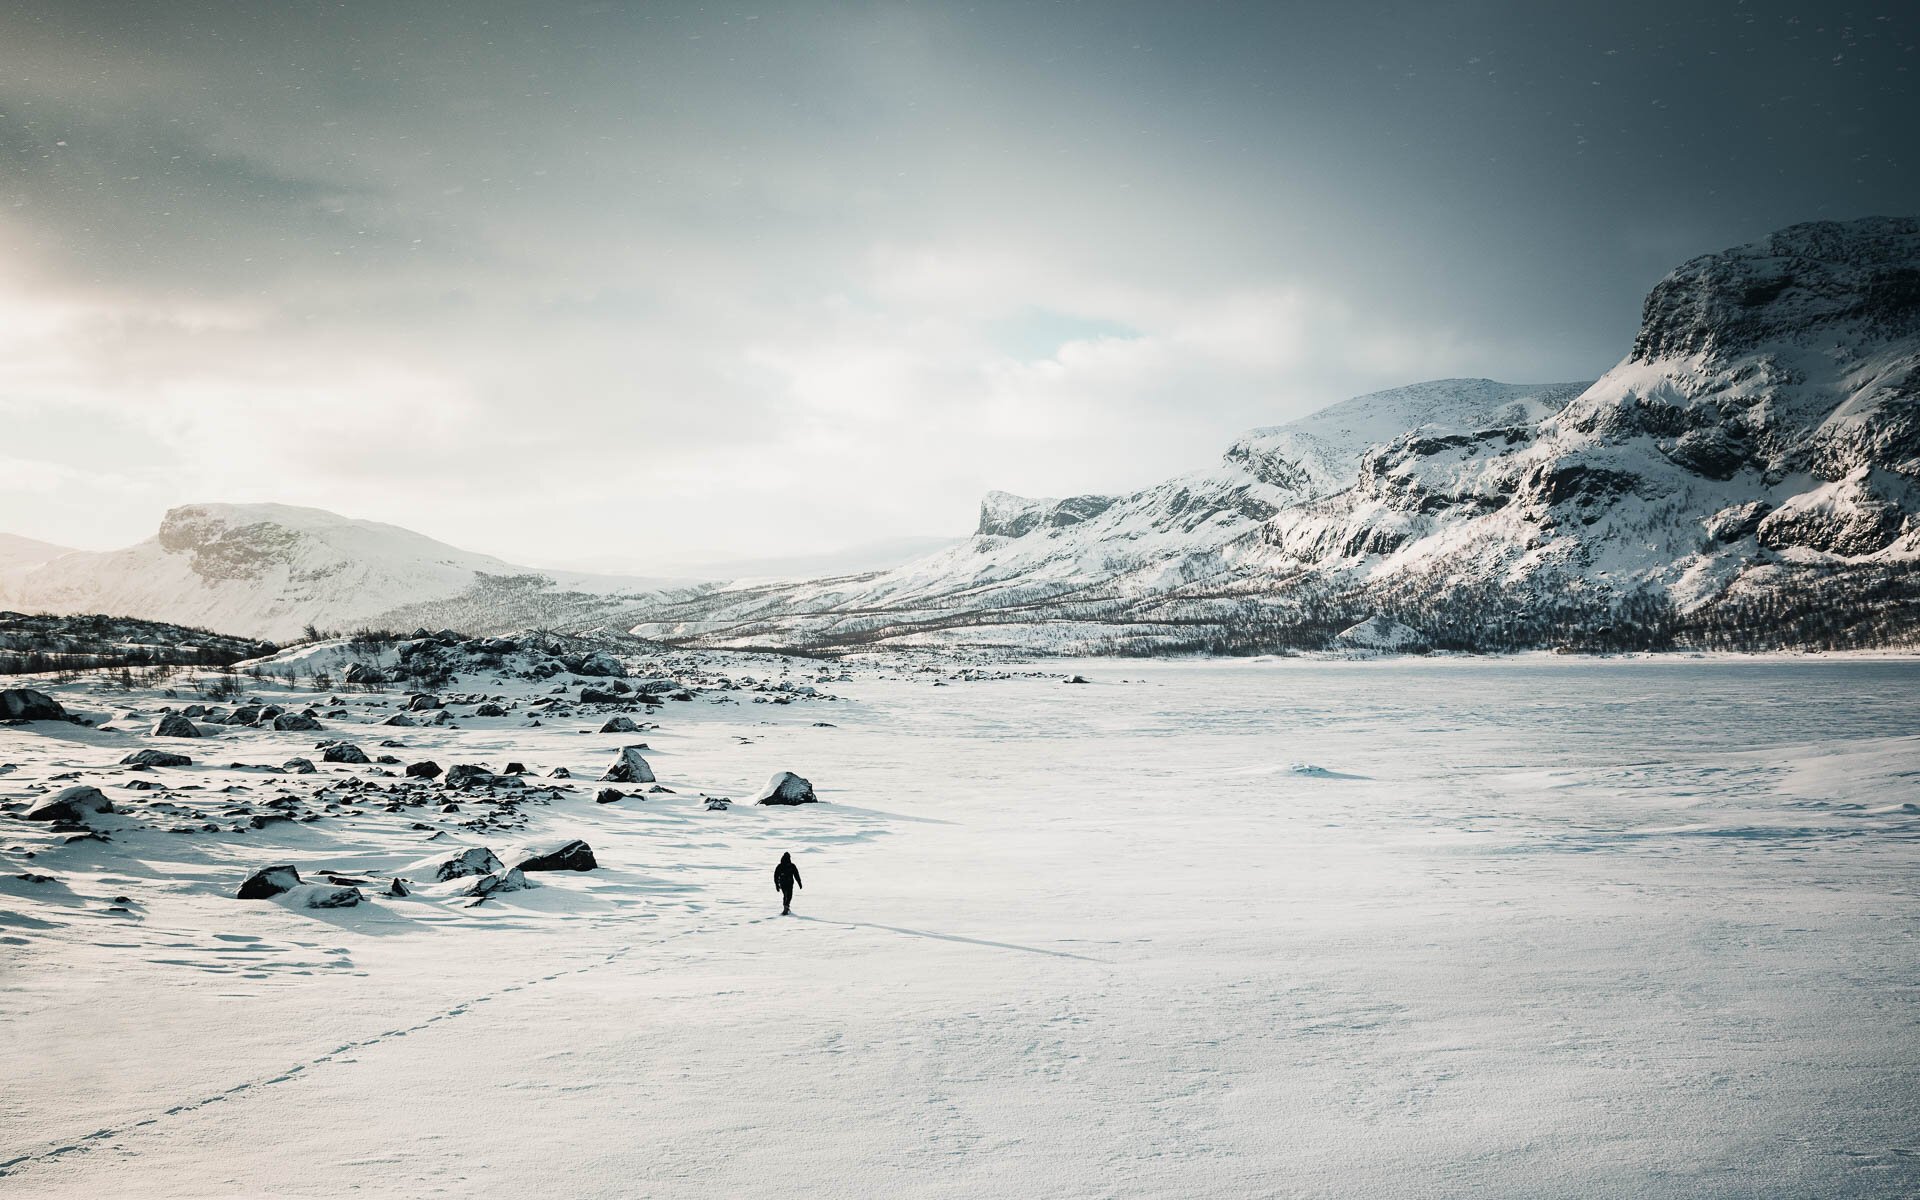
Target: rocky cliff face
[[1767, 414]]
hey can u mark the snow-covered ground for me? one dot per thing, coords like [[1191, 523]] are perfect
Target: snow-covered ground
[[1416, 928]]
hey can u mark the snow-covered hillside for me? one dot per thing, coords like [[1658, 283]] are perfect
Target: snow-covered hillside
[[1189, 530], [1748, 475], [18, 552], [268, 570]]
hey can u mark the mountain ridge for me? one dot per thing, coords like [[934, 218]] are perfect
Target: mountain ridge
[[1746, 476], [1756, 452]]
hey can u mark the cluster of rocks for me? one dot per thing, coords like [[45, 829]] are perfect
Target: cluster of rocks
[[448, 797], [476, 873], [190, 722]]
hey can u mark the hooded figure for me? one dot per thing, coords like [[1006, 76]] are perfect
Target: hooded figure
[[786, 877]]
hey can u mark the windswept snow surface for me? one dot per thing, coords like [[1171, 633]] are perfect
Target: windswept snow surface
[[1521, 928]]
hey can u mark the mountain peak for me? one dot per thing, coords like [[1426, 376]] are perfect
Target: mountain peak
[[1802, 278]]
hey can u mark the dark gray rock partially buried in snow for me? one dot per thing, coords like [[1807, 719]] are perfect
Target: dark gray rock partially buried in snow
[[629, 767], [25, 704], [786, 788], [620, 725], [573, 855], [175, 725], [323, 895], [76, 803], [344, 752], [466, 775], [477, 860], [269, 882], [510, 880], [156, 758], [599, 663], [300, 722]]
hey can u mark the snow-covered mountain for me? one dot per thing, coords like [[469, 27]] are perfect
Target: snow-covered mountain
[[24, 553], [1092, 549], [1749, 474], [1763, 435], [268, 570]]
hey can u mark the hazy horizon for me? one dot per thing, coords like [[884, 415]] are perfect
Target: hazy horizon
[[670, 284]]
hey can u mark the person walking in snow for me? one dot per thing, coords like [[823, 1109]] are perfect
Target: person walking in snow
[[786, 877]]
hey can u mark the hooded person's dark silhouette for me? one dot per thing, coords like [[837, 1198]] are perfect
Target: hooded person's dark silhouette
[[786, 877]]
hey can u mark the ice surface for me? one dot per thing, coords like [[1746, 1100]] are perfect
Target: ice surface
[[1518, 928]]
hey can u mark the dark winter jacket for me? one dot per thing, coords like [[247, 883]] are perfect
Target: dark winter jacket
[[786, 875]]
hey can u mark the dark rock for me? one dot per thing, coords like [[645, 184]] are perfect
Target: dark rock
[[423, 770], [157, 758], [75, 804], [423, 703], [465, 775], [25, 704], [298, 766], [300, 722], [319, 896], [574, 855], [786, 788], [477, 860], [510, 880], [599, 663], [628, 767], [344, 752], [489, 710], [609, 796], [269, 882], [175, 725], [620, 725]]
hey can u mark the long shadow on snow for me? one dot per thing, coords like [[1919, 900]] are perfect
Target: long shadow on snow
[[950, 937]]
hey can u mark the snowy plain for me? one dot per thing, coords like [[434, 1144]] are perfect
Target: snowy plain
[[1492, 927]]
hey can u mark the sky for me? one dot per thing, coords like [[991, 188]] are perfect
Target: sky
[[628, 286]]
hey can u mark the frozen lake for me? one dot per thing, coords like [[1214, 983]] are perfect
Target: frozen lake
[[1420, 928]]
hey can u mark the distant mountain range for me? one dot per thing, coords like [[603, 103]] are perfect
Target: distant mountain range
[[1747, 477], [269, 570]]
